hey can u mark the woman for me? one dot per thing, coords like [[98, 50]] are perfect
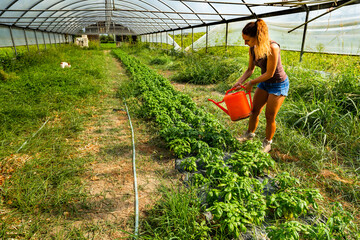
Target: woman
[[273, 82]]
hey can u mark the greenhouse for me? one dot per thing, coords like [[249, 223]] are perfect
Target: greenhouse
[[174, 119]]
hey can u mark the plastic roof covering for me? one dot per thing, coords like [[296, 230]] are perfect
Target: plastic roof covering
[[139, 16]]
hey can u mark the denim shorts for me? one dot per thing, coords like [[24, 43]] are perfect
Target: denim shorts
[[281, 88]]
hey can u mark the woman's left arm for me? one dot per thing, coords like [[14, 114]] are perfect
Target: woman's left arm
[[272, 60]]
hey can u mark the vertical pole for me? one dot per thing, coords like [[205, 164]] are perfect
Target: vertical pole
[[226, 36], [37, 42], [192, 39], [44, 39], [26, 41], [181, 42], [304, 33], [174, 39], [207, 35], [167, 40], [12, 39], [49, 35], [161, 41], [54, 39]]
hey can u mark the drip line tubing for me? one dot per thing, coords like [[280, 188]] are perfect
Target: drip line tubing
[[33, 135], [135, 181]]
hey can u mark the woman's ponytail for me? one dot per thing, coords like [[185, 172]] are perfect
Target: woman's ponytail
[[263, 41]]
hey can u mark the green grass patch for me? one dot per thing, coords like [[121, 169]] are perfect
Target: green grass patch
[[43, 179]]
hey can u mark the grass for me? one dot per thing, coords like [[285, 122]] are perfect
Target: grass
[[318, 127], [175, 216], [44, 179], [107, 45]]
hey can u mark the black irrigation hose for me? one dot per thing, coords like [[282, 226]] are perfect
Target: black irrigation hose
[[135, 181]]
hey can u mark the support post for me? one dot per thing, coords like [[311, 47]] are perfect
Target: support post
[[49, 38], [226, 36], [44, 39], [192, 39], [12, 39], [304, 33], [207, 38], [55, 39], [182, 42], [161, 41], [174, 39], [26, 41], [37, 42], [167, 40]]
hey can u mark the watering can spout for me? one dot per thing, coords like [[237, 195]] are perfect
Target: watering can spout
[[236, 103], [221, 107]]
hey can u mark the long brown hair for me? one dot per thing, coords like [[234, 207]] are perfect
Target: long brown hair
[[259, 30]]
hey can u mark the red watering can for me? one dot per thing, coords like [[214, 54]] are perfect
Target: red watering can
[[237, 104]]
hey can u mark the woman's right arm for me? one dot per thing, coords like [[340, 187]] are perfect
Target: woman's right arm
[[249, 71]]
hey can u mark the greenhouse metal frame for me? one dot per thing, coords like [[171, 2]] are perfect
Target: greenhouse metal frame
[[57, 21]]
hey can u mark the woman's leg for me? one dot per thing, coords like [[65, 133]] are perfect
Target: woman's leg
[[259, 100], [272, 108]]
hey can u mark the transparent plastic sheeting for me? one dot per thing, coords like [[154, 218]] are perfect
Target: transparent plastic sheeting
[[31, 35], [337, 32], [160, 38]]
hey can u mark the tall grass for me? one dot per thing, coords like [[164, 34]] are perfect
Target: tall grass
[[176, 216], [198, 69]]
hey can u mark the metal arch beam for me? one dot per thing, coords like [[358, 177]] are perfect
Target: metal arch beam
[[48, 9], [192, 11], [229, 3], [74, 27], [165, 4], [44, 11], [9, 6], [58, 25], [126, 10], [63, 7], [27, 11], [83, 17], [123, 1], [215, 10], [81, 24], [277, 13], [97, 4], [93, 16], [252, 13], [153, 13], [155, 8]]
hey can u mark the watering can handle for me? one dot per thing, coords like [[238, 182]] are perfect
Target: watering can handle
[[246, 93]]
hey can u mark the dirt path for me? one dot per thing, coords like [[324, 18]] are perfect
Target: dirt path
[[107, 141]]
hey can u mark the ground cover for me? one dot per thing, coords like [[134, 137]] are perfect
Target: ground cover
[[107, 45], [73, 179], [159, 101]]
